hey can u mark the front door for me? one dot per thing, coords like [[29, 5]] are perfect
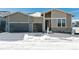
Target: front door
[[47, 24]]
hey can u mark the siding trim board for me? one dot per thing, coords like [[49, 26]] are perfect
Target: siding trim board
[[37, 22], [25, 22], [56, 18], [18, 22]]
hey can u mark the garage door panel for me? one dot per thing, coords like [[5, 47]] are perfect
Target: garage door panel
[[37, 27], [19, 27]]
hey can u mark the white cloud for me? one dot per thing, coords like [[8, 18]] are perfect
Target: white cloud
[[36, 14]]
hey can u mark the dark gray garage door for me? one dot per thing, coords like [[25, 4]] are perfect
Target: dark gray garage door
[[37, 27], [19, 27]]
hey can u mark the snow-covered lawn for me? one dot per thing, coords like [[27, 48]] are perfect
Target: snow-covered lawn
[[38, 41]]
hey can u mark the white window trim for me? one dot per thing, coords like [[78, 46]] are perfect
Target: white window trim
[[57, 22], [37, 22], [65, 23], [61, 22]]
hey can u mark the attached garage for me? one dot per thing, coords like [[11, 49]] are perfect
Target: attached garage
[[20, 22], [19, 27], [37, 27]]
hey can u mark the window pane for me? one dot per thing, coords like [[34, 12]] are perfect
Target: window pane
[[59, 22], [63, 22]]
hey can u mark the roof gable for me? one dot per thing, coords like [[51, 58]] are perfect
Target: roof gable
[[17, 13], [57, 11]]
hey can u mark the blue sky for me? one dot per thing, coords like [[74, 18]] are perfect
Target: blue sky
[[74, 11]]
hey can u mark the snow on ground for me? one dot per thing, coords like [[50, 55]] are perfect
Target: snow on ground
[[39, 45], [38, 41], [49, 38]]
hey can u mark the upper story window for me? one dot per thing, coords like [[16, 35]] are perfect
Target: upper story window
[[61, 22]]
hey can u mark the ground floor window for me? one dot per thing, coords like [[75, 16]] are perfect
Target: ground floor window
[[61, 22]]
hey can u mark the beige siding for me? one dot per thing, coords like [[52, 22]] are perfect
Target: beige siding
[[69, 20], [67, 28], [37, 19], [30, 19], [60, 15], [62, 29], [17, 17], [57, 14], [53, 23]]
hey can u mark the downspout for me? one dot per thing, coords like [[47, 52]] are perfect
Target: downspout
[[6, 29], [72, 31], [44, 22], [7, 25], [28, 22]]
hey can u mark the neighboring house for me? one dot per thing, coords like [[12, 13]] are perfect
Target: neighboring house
[[2, 24], [56, 20], [2, 20]]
